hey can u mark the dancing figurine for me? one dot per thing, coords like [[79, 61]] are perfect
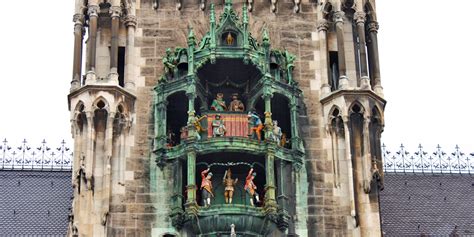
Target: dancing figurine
[[250, 187], [256, 125], [229, 184], [206, 187]]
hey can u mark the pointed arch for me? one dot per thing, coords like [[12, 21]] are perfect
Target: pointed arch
[[370, 11], [356, 107]]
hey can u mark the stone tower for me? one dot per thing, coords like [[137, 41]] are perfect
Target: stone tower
[[283, 98]]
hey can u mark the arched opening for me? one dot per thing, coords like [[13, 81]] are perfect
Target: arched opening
[[228, 76], [229, 39], [281, 115], [176, 117], [356, 126]]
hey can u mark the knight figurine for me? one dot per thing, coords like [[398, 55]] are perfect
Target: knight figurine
[[229, 184]]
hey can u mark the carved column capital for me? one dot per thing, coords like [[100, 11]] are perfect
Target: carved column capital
[[373, 26], [130, 21], [78, 19], [93, 11], [338, 17], [360, 17], [115, 11], [323, 25]]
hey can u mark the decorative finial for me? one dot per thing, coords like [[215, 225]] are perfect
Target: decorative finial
[[228, 4], [191, 36], [265, 37]]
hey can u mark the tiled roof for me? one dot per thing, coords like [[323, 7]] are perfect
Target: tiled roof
[[34, 203], [433, 205]]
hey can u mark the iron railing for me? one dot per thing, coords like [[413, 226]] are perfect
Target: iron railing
[[42, 157], [421, 161]]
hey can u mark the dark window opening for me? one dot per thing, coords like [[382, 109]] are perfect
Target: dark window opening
[[121, 66], [177, 117], [334, 70]]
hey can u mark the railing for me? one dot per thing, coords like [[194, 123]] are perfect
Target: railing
[[42, 157], [421, 161]]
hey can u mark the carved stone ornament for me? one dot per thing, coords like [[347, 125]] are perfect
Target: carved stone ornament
[[359, 17], [202, 5], [373, 26], [130, 20], [323, 25], [339, 16], [274, 7], [297, 7], [115, 11], [250, 5], [179, 4], [93, 11]]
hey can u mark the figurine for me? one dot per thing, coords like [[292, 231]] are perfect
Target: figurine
[[218, 104], [170, 138], [168, 62], [218, 127], [256, 125], [276, 133], [229, 39], [229, 184], [206, 187], [183, 133], [236, 105], [196, 123], [250, 187], [284, 141]]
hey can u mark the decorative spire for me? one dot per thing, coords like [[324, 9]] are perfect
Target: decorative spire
[[191, 37], [245, 17], [212, 17]]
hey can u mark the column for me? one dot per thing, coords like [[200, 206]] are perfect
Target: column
[[323, 53], [339, 20], [267, 98], [131, 24], [77, 60], [115, 15], [191, 203], [366, 157], [270, 203], [373, 27], [296, 143], [359, 18], [92, 41]]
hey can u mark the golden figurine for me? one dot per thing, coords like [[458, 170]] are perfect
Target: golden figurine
[[229, 184]]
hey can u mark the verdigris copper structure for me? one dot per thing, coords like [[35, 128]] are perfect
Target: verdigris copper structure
[[228, 61]]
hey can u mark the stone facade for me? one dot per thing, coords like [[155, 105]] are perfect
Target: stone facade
[[120, 190]]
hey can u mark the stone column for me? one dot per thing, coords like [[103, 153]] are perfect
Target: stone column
[[296, 143], [359, 18], [131, 24], [77, 60], [323, 53], [92, 44], [160, 128], [115, 15], [366, 157], [373, 27], [339, 20]]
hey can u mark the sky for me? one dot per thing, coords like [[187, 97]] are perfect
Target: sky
[[425, 56]]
